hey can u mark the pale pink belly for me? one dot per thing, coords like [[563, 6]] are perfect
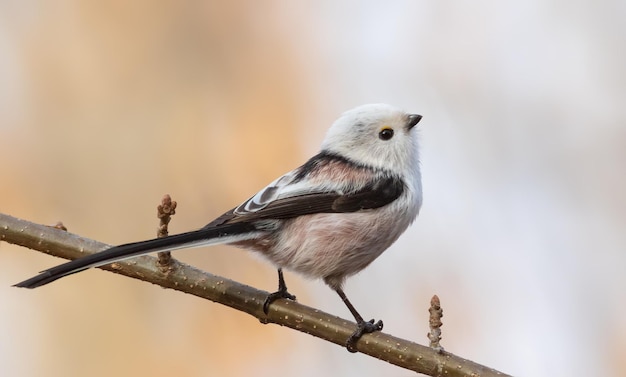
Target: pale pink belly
[[334, 246]]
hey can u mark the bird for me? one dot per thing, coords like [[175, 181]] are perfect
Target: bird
[[327, 219]]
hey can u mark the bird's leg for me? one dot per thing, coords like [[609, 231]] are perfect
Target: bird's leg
[[280, 293], [362, 326]]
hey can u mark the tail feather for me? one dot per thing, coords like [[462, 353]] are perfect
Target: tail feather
[[202, 237]]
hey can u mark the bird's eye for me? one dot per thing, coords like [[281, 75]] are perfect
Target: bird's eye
[[385, 134]]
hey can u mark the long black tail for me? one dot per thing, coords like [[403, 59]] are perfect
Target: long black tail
[[202, 237]]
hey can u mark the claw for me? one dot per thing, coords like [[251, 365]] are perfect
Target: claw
[[280, 293], [275, 296], [362, 328]]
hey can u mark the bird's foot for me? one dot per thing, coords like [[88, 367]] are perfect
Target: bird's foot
[[280, 293], [362, 328]]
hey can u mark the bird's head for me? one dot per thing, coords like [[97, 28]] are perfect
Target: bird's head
[[376, 135]]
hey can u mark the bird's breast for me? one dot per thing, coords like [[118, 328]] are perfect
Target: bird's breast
[[335, 244]]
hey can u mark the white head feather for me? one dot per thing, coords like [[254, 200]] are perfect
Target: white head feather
[[356, 135]]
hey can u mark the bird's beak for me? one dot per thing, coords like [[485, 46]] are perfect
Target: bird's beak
[[412, 120]]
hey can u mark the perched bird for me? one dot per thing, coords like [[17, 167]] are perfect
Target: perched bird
[[328, 219]]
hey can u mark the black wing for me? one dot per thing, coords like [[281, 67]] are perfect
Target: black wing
[[374, 195]]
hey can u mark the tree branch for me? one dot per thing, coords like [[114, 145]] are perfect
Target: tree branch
[[187, 279]]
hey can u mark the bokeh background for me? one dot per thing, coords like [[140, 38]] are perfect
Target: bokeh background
[[106, 106]]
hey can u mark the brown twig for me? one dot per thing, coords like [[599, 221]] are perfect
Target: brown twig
[[434, 323], [165, 211], [59, 225], [286, 313]]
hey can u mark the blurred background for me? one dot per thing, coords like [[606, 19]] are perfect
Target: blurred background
[[106, 106]]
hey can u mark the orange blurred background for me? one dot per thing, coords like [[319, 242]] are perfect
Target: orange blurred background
[[106, 106]]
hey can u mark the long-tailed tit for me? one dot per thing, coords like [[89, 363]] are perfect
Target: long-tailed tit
[[329, 218]]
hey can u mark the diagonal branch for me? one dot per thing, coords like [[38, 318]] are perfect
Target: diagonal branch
[[187, 279]]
